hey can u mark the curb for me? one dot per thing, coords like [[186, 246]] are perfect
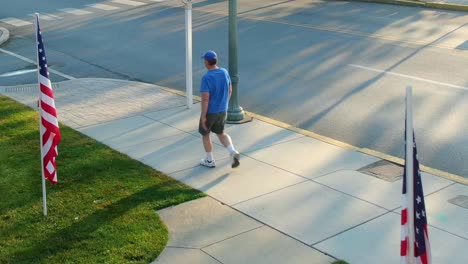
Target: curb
[[416, 3], [395, 2], [377, 154], [448, 6], [4, 36], [371, 152]]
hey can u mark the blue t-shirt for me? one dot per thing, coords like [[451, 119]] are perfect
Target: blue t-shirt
[[216, 82]]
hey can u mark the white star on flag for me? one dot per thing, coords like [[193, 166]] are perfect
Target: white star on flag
[[418, 199]]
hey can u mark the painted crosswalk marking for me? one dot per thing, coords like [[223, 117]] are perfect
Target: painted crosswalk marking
[[50, 17], [74, 11], [47, 17], [128, 2], [103, 7], [15, 22]]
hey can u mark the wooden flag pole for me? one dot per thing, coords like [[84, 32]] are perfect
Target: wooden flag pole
[[409, 172], [44, 194]]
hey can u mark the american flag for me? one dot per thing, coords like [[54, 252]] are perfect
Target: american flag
[[422, 249], [49, 127]]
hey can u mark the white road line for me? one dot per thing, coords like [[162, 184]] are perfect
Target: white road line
[[33, 62], [54, 16], [42, 17], [158, 1], [103, 7], [128, 2], [15, 22], [15, 73], [47, 17], [74, 11], [408, 77]]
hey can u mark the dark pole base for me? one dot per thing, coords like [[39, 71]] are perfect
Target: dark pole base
[[235, 115], [245, 119]]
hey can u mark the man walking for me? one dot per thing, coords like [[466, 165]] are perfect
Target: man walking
[[215, 92]]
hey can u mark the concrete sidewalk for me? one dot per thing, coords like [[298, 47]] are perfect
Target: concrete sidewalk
[[294, 199]]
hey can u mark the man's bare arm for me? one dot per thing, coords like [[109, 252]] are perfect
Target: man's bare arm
[[205, 98]]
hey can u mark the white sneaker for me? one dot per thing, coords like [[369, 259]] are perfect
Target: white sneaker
[[208, 163], [235, 157]]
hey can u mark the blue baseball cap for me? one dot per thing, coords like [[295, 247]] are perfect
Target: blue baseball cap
[[210, 55]]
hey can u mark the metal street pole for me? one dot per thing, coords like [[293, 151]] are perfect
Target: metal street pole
[[188, 52], [235, 112]]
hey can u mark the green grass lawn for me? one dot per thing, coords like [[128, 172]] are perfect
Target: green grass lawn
[[101, 211]]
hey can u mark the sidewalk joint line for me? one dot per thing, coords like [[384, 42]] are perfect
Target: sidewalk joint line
[[270, 192], [441, 189], [285, 234], [350, 228], [275, 166], [331, 172], [313, 180], [350, 195], [211, 256], [449, 232], [436, 227], [233, 236], [274, 144], [272, 227], [181, 170]]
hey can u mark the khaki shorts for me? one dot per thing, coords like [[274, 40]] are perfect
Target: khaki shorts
[[214, 123]]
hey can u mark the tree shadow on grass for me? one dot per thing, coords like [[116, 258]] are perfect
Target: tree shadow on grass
[[81, 232]]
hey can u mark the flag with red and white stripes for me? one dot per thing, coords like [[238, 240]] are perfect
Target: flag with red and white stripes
[[422, 250], [49, 128]]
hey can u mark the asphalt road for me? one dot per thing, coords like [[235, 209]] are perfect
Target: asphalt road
[[336, 68]]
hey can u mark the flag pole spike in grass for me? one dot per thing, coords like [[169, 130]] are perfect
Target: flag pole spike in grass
[[101, 211]]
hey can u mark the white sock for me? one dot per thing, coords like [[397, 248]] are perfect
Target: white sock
[[209, 156], [231, 149], [230, 146]]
